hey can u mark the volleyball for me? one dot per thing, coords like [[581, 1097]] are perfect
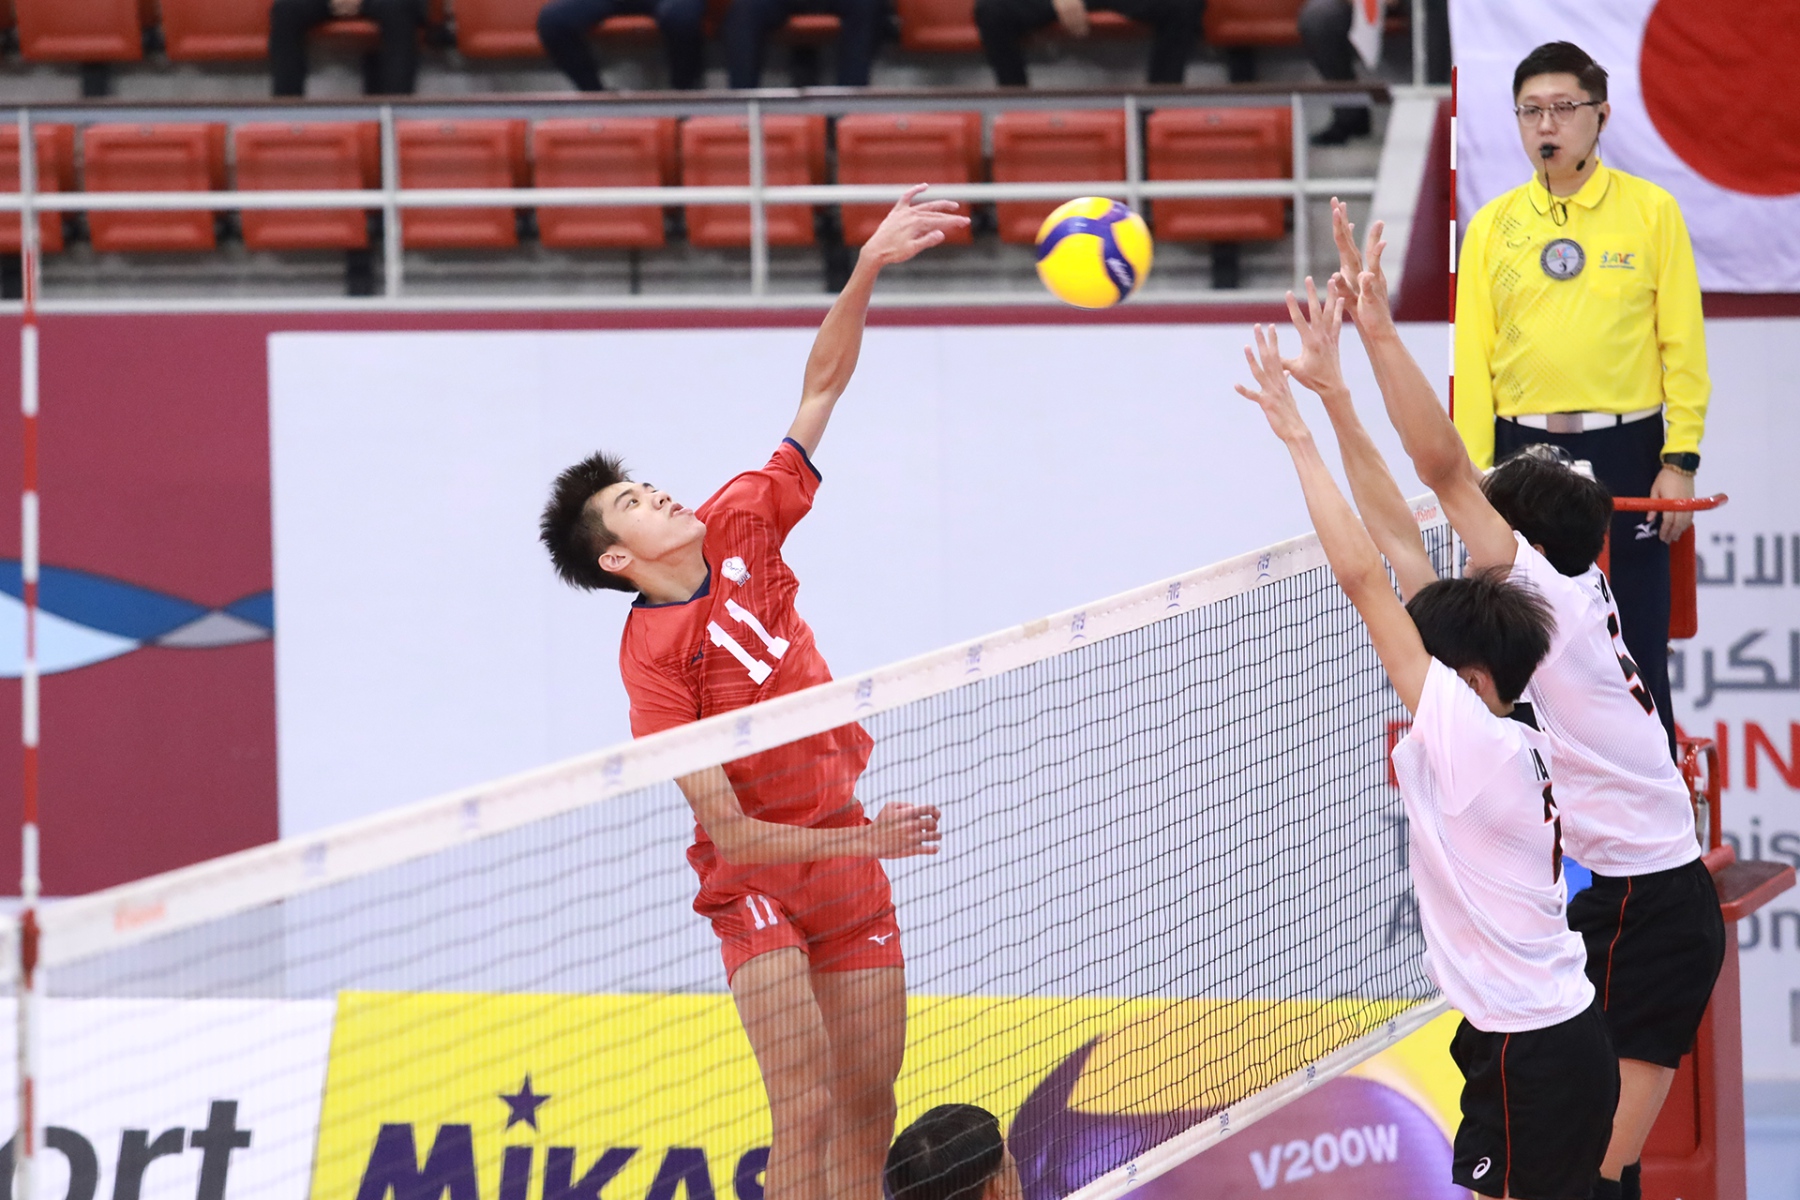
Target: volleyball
[[1093, 252]]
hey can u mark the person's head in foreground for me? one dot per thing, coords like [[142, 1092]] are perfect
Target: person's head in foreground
[[1559, 93], [953, 1152], [1561, 512], [1492, 632], [600, 525]]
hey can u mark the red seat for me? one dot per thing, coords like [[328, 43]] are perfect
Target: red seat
[[905, 148], [1220, 143], [715, 152], [80, 30], [498, 28], [1252, 22], [938, 26], [461, 154], [215, 30], [187, 157], [311, 156], [610, 152], [1034, 146], [55, 173]]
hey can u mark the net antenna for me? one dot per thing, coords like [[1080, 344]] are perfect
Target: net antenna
[[1173, 854], [25, 1155]]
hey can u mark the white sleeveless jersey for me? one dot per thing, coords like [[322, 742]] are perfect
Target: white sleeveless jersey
[[1486, 857], [1626, 809]]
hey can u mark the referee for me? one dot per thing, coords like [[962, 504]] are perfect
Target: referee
[[1578, 323]]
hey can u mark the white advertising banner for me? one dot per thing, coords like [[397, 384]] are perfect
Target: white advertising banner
[[1739, 680], [1689, 113], [175, 1099]]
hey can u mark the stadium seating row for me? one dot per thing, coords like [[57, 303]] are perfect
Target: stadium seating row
[[1180, 143], [226, 30]]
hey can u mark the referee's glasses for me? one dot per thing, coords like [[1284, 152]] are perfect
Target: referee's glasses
[[1560, 112]]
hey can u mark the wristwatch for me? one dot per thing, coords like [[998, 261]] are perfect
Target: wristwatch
[[1685, 463]]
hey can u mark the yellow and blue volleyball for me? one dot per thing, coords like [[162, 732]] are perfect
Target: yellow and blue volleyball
[[1093, 252]]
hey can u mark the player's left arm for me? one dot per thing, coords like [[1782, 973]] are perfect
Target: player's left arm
[[1681, 341], [1348, 547], [908, 228]]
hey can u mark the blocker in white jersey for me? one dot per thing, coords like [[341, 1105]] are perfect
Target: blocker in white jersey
[[1626, 809], [1486, 857], [1485, 833]]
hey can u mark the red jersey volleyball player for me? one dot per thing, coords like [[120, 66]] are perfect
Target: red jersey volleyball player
[[787, 861]]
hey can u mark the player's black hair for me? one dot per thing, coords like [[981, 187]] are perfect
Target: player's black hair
[[1562, 58], [950, 1153], [574, 533], [1485, 620], [1541, 495]]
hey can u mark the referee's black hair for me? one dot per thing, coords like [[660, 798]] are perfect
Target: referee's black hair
[[1485, 620], [950, 1153], [1562, 58], [574, 533], [1541, 495]]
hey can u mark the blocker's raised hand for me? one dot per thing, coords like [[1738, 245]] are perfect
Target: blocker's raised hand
[[911, 226], [1317, 365], [1359, 280], [1272, 393]]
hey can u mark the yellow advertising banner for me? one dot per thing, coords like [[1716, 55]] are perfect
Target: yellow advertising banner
[[554, 1097]]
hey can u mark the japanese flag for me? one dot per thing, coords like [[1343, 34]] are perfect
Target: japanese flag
[[1703, 105], [1365, 30]]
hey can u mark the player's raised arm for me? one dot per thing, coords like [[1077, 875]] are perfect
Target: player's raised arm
[[898, 831], [1436, 449], [1378, 499], [908, 228], [1347, 545]]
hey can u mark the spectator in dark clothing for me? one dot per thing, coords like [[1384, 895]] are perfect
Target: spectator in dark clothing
[[1004, 25], [564, 27], [748, 24], [1325, 31], [396, 58]]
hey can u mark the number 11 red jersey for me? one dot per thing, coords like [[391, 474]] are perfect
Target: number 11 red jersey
[[737, 641]]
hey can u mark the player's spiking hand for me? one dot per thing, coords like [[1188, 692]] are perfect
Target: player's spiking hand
[[1272, 393], [1360, 281], [911, 226], [903, 830], [1317, 365]]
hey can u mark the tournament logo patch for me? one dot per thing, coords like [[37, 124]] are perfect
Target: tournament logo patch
[[1563, 259], [735, 570]]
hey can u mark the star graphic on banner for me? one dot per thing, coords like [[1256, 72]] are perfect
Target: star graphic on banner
[[523, 1105]]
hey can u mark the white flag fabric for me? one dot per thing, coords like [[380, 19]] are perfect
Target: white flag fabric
[[1697, 108], [1365, 30]]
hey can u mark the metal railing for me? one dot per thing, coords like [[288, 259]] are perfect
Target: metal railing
[[393, 200]]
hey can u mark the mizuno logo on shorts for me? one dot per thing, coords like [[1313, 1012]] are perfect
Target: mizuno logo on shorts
[[880, 939]]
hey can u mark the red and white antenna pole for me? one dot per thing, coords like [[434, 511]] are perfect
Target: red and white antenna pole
[[1452, 392], [26, 1141]]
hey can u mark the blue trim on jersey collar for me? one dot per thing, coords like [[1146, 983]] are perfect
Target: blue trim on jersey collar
[[705, 587], [805, 458], [1524, 714]]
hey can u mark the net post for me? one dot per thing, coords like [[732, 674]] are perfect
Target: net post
[[1302, 170], [25, 1149]]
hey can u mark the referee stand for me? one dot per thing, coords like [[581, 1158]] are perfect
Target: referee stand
[[1696, 1148]]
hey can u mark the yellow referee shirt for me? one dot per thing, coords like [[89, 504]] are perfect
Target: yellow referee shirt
[[1599, 313]]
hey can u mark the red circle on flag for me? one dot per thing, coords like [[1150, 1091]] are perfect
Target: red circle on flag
[[1719, 80]]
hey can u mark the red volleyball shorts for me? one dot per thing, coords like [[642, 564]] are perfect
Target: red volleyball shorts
[[839, 913]]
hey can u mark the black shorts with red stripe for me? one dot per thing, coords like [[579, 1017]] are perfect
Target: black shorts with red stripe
[[1655, 944], [1537, 1108]]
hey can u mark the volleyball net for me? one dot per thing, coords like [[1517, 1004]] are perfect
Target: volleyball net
[[1171, 898]]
